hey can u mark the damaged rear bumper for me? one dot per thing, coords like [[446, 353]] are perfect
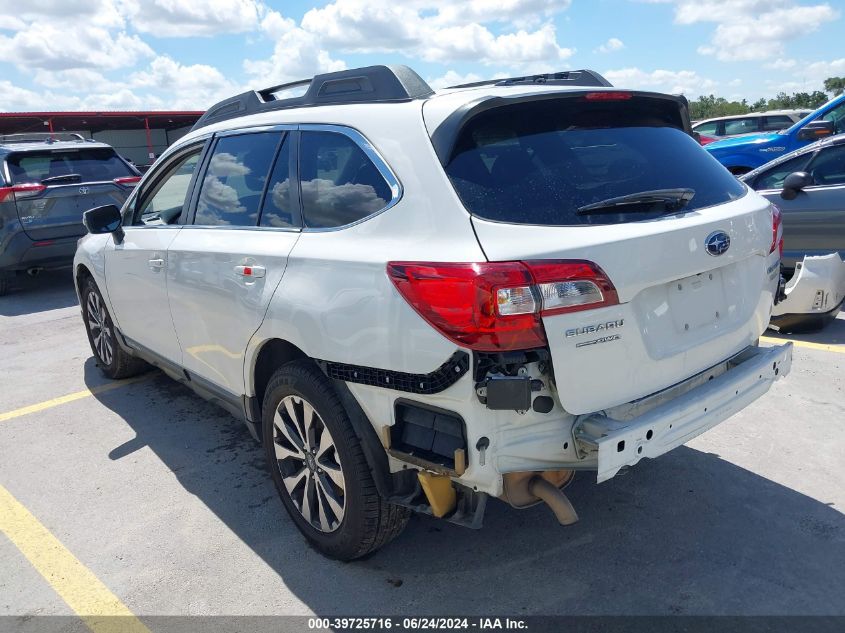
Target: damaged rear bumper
[[815, 292], [664, 424]]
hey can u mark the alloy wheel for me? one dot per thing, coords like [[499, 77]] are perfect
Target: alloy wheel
[[309, 463], [100, 326]]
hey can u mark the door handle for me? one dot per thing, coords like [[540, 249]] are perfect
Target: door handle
[[156, 264], [250, 272]]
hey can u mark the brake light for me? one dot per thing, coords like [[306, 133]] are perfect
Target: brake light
[[777, 230], [608, 96], [127, 181], [496, 306], [23, 190]]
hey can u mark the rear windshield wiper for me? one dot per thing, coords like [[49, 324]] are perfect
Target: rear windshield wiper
[[62, 178], [672, 199]]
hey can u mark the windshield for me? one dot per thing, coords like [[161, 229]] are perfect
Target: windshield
[[540, 162], [92, 164]]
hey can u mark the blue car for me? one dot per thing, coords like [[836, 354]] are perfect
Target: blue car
[[741, 154]]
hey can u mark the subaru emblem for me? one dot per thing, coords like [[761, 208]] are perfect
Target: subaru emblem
[[717, 243]]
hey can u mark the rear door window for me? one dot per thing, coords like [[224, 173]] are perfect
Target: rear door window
[[828, 167], [707, 128], [339, 183], [91, 164], [741, 126], [233, 184], [539, 162]]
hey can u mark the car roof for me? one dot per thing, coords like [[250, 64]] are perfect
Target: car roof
[[388, 91], [732, 117]]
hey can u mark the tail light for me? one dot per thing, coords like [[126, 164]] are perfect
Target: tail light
[[496, 306], [777, 231], [127, 181], [21, 191]]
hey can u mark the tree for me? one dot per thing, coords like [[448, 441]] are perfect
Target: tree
[[835, 85]]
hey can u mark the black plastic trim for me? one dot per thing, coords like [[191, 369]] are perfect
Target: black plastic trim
[[439, 380], [371, 84]]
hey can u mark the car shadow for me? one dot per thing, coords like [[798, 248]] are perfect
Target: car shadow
[[832, 334], [689, 533], [51, 290]]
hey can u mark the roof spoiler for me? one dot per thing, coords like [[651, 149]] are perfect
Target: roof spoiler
[[372, 84]]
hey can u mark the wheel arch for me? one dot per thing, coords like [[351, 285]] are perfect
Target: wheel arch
[[276, 352]]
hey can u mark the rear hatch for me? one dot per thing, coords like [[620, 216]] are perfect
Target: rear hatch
[[54, 187], [618, 181]]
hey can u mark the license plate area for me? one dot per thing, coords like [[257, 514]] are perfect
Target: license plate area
[[697, 301]]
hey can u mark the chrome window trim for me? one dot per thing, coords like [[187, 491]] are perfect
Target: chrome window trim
[[373, 154]]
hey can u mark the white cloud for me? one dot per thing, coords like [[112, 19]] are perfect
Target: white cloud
[[752, 29], [442, 31], [687, 82], [611, 45], [781, 64], [166, 18], [452, 78], [297, 54], [50, 46], [103, 13], [194, 87]]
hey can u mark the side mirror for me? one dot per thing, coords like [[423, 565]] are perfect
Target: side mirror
[[794, 183], [105, 219], [815, 130]]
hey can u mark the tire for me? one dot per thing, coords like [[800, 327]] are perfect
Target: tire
[[112, 359], [5, 278], [321, 461]]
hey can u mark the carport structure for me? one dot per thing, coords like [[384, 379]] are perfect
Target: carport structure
[[138, 136]]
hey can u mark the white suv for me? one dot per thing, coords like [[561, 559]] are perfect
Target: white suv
[[418, 301]]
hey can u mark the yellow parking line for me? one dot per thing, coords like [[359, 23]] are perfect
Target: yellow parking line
[[838, 348], [49, 404], [84, 593]]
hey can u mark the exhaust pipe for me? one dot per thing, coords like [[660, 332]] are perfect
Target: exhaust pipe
[[555, 499], [34, 272]]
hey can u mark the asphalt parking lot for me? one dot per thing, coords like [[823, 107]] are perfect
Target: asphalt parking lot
[[166, 501]]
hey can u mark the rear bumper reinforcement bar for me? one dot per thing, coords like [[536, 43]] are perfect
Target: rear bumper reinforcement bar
[[678, 420]]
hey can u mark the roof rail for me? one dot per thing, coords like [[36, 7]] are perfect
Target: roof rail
[[562, 78], [371, 84], [41, 137]]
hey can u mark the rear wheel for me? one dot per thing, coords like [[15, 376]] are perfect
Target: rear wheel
[[112, 359], [319, 468]]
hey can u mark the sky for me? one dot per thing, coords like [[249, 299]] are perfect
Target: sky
[[171, 54]]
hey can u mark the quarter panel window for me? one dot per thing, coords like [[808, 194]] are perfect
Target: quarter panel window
[[775, 123], [163, 202], [339, 183], [233, 184]]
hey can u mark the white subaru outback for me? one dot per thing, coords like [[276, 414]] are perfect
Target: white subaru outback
[[420, 300]]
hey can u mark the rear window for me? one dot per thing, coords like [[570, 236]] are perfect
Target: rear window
[[92, 164], [539, 162]]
